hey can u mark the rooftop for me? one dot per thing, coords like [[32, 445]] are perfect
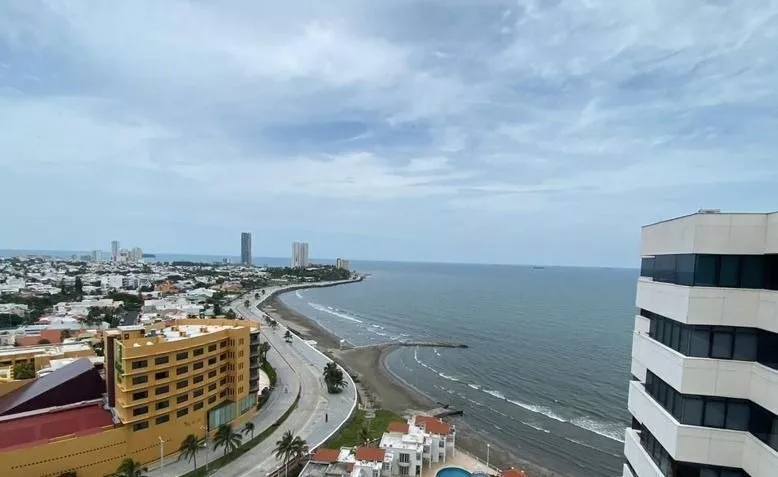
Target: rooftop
[[398, 427], [371, 454], [50, 350], [26, 431], [325, 455], [433, 425]]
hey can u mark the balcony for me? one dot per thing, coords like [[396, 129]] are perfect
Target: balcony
[[638, 457]]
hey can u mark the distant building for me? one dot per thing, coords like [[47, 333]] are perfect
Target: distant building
[[342, 264], [136, 254], [245, 248], [704, 389], [115, 250], [97, 255], [299, 254]]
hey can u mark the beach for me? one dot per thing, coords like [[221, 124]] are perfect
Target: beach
[[383, 389]]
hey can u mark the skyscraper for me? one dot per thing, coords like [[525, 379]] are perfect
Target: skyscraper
[[299, 254], [704, 389], [245, 248], [115, 250]]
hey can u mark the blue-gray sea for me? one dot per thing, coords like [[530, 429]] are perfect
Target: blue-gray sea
[[547, 368]]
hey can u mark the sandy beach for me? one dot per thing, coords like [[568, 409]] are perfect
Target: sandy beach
[[383, 389]]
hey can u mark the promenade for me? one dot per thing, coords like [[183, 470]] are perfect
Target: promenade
[[298, 366]]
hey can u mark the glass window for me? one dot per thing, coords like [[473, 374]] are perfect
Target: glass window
[[683, 346], [685, 269], [162, 390], [182, 355], [139, 426], [199, 405], [773, 440], [714, 413], [722, 345], [140, 410], [664, 268], [197, 352], [700, 343], [212, 347], [182, 412], [182, 370], [182, 384], [652, 327], [745, 345], [692, 411], [182, 398], [678, 408], [160, 360], [660, 329], [729, 271], [705, 270], [708, 472], [752, 271], [675, 339], [163, 404], [163, 419], [139, 364], [771, 272], [140, 395], [737, 415], [161, 375], [140, 379], [731, 473]]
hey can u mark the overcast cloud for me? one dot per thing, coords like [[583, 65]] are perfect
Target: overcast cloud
[[542, 131]]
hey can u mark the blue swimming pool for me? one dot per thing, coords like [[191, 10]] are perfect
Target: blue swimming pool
[[453, 472]]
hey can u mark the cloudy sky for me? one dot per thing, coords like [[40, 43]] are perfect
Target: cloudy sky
[[522, 131]]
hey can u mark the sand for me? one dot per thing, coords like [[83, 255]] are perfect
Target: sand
[[379, 387]]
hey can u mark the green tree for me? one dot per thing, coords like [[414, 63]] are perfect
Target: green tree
[[363, 436], [98, 348], [333, 378], [264, 348], [246, 303], [79, 287], [284, 448], [130, 468], [227, 437], [63, 335], [231, 314], [249, 429], [189, 447], [288, 336], [23, 371], [217, 308]]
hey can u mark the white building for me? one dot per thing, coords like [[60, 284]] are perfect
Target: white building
[[343, 264], [109, 282], [300, 255], [704, 394], [115, 250]]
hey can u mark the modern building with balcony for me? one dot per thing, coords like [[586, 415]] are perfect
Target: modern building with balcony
[[704, 393], [162, 382]]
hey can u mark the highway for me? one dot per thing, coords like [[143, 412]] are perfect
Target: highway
[[298, 366]]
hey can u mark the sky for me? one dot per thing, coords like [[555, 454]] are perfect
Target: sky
[[490, 131]]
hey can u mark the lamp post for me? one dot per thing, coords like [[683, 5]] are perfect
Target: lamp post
[[161, 454], [205, 446], [488, 447]]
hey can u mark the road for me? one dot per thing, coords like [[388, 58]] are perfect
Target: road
[[298, 366]]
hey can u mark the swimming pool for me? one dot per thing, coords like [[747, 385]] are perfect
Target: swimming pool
[[453, 472]]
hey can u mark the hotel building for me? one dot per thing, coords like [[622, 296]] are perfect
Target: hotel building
[[704, 393], [300, 255], [161, 383]]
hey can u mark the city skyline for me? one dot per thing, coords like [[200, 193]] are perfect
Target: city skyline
[[521, 131]]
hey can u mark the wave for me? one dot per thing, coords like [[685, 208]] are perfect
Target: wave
[[422, 363], [435, 350], [298, 294], [612, 431], [474, 386], [496, 394], [316, 306], [450, 378], [536, 427], [538, 409]]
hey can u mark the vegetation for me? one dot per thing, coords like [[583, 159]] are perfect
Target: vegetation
[[98, 348], [226, 437], [23, 371], [189, 448], [264, 348], [349, 436], [231, 314], [130, 468], [290, 447], [249, 429], [288, 336], [363, 435], [314, 273], [246, 303], [132, 302], [333, 378], [64, 334]]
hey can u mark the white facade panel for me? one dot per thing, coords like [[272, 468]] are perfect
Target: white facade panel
[[626, 472], [771, 242], [638, 457]]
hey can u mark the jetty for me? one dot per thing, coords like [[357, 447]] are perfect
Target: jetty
[[431, 344], [445, 411]]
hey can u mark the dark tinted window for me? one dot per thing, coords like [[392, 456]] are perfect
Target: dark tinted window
[[705, 270], [714, 413], [182, 384], [161, 375], [729, 271], [163, 404], [700, 343], [161, 360], [140, 395], [163, 419], [162, 390], [737, 416], [182, 355], [745, 345], [752, 271], [182, 398], [182, 370], [139, 364], [692, 411], [140, 379], [721, 347], [139, 426], [197, 352], [140, 410], [182, 412], [685, 269]]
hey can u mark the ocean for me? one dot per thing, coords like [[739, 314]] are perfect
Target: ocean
[[547, 368]]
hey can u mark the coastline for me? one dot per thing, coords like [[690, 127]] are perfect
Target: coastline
[[377, 384]]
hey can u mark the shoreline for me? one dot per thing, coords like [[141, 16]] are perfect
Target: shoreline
[[382, 387]]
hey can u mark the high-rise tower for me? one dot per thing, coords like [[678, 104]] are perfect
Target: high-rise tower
[[245, 248]]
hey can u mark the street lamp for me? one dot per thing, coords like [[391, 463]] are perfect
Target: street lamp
[[488, 446], [161, 453], [205, 446]]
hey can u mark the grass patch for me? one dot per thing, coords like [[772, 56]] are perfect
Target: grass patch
[[271, 373], [245, 447], [349, 435]]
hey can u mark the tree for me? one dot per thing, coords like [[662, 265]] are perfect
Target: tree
[[264, 348], [23, 371], [249, 429], [79, 286], [246, 303], [256, 296], [226, 437], [299, 448], [130, 468], [364, 435], [333, 378], [284, 448], [98, 348], [63, 335], [288, 336], [189, 447], [43, 341], [231, 314], [217, 309]]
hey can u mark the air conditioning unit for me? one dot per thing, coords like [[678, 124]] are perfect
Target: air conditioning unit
[[709, 211]]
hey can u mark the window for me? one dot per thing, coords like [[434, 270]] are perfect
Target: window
[[212, 386], [745, 345], [139, 426], [223, 344], [705, 270], [752, 271], [139, 364], [140, 410], [182, 384], [182, 370], [223, 356], [162, 405], [211, 399], [699, 346], [212, 374], [721, 347], [140, 380], [197, 406], [692, 411], [685, 269], [163, 419], [182, 355], [729, 271], [212, 347], [714, 413], [647, 267], [182, 412], [405, 457], [197, 352], [223, 381], [140, 395], [404, 470], [211, 361], [198, 365], [161, 375], [182, 398], [161, 390], [240, 341], [161, 360], [223, 369], [737, 416], [198, 379], [198, 392]]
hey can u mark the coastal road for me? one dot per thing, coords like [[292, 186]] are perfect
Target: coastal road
[[298, 366]]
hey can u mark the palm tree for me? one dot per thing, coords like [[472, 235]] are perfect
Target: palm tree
[[284, 448], [189, 447], [264, 348], [364, 435], [226, 437], [246, 303], [23, 371], [298, 448], [249, 428], [130, 468], [333, 378]]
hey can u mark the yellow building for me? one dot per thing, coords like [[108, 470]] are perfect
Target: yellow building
[[163, 382]]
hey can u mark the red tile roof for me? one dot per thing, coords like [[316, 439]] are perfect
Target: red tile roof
[[433, 425], [325, 455], [26, 431], [398, 427], [513, 473], [371, 454]]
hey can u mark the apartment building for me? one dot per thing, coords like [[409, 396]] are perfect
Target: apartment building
[[300, 255], [704, 393], [162, 382]]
